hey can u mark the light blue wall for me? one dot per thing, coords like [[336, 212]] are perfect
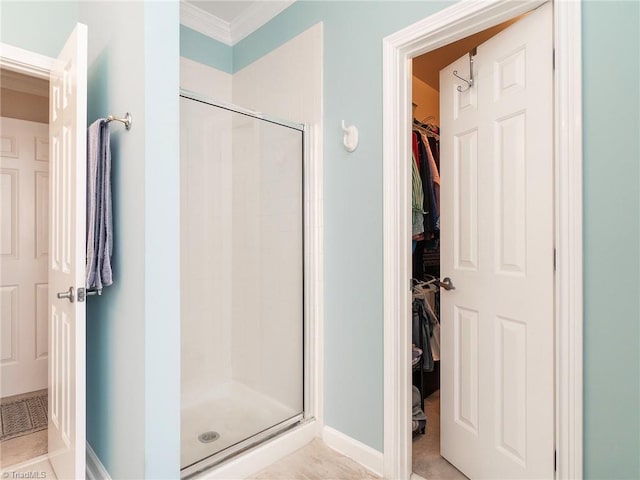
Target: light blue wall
[[353, 323], [116, 320], [133, 335], [202, 49], [353, 216], [40, 27], [162, 240], [353, 220], [611, 72]]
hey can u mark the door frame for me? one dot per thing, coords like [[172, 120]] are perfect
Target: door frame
[[24, 61], [453, 23]]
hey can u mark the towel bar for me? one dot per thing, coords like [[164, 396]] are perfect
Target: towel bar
[[83, 293], [127, 120]]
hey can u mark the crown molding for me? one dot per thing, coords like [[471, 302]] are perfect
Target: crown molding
[[255, 16], [245, 24], [205, 23]]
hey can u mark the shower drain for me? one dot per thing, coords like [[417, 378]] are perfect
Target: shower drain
[[207, 437]]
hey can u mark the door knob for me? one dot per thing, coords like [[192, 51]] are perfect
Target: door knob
[[68, 294], [446, 283]]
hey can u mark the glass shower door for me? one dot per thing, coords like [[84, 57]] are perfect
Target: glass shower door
[[242, 279]]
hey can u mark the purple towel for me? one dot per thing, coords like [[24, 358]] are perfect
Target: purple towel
[[99, 209]]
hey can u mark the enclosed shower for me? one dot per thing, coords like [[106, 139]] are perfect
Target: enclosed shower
[[241, 279]]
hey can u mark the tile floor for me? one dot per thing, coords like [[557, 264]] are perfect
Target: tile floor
[[315, 461], [21, 449], [39, 468], [427, 461]]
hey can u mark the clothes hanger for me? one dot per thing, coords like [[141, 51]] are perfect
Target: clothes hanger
[[426, 286], [425, 129]]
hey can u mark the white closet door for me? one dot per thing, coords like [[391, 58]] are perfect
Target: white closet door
[[497, 412]]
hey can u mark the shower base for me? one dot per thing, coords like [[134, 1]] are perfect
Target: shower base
[[235, 412]]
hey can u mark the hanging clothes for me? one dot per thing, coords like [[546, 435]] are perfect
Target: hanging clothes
[[435, 175], [416, 201], [425, 172], [425, 305], [417, 268], [414, 146], [435, 148], [429, 201], [421, 332]]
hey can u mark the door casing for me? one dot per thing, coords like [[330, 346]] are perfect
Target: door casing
[[453, 23]]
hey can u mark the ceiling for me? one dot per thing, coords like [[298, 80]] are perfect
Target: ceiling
[[427, 67], [225, 10]]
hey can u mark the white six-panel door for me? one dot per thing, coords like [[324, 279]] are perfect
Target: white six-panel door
[[68, 101], [497, 375], [24, 246]]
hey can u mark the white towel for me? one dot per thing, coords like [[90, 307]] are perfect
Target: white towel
[[99, 208]]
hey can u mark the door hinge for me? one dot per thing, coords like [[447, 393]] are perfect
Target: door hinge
[[555, 259], [553, 58], [555, 460]]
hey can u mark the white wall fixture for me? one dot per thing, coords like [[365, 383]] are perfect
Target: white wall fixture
[[350, 139]]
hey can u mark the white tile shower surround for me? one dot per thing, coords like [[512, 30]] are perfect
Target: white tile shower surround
[[217, 350], [233, 410]]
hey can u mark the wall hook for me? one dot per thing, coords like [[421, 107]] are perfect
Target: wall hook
[[350, 139], [470, 81]]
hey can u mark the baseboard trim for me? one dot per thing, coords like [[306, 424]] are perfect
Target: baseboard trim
[[368, 457], [263, 455], [95, 469]]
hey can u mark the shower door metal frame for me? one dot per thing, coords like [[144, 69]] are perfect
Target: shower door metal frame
[[244, 111], [306, 415]]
